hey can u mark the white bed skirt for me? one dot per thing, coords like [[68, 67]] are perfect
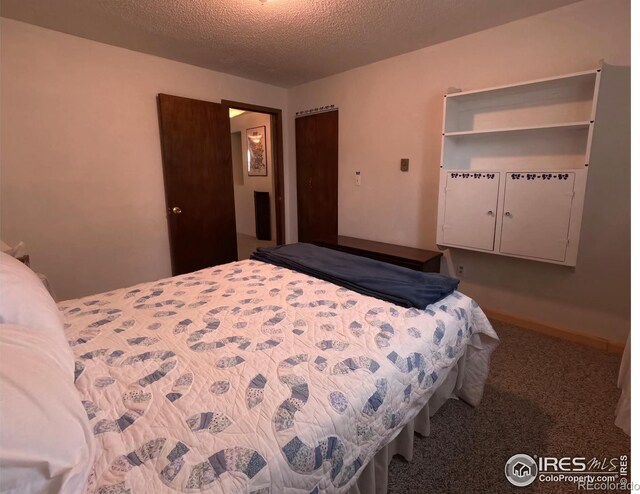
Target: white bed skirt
[[623, 410], [465, 380]]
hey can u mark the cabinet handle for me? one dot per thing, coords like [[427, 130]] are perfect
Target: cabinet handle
[[490, 213], [507, 213]]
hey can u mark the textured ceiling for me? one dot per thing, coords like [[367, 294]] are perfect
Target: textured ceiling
[[281, 42]]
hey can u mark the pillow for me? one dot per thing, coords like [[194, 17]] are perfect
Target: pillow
[[46, 442], [24, 300]]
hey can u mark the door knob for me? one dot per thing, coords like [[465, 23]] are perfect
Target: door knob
[[175, 210]]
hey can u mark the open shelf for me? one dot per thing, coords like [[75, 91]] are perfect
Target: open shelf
[[587, 75], [560, 126], [557, 102], [540, 147]]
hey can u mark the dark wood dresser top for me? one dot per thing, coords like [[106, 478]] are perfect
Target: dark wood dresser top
[[410, 257]]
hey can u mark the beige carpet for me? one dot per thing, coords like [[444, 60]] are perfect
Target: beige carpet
[[544, 396], [247, 244]]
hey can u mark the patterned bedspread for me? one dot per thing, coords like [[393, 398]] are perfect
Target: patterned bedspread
[[252, 378]]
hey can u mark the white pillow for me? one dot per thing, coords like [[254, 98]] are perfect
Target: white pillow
[[46, 442], [24, 300]]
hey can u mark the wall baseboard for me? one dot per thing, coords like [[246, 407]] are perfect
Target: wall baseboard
[[592, 341]]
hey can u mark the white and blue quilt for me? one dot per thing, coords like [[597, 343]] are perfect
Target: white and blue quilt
[[252, 378]]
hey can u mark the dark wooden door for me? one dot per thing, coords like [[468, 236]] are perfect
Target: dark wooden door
[[198, 181], [317, 177]]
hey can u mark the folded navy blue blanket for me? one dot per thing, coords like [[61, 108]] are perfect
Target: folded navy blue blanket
[[395, 284]]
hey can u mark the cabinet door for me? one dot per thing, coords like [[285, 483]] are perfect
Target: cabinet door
[[537, 210], [470, 209]]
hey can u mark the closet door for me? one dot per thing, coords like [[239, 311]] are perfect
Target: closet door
[[471, 200], [198, 181], [537, 210], [317, 177]]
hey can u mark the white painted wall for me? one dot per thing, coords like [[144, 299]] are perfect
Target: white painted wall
[[81, 167], [243, 194], [393, 109]]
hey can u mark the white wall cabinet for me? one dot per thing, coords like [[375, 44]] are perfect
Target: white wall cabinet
[[471, 203], [537, 210], [514, 167]]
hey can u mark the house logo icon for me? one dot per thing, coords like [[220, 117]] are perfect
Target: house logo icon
[[521, 470]]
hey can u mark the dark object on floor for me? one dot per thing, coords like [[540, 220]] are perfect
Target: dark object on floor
[[394, 284], [544, 396], [263, 215]]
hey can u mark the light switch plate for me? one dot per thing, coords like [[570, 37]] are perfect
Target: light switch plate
[[404, 165]]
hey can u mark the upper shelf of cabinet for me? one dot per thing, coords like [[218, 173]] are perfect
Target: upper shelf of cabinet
[[561, 102], [567, 126]]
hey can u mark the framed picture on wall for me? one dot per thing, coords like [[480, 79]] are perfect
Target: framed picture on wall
[[257, 151]]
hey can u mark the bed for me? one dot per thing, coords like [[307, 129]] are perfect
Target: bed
[[253, 378]]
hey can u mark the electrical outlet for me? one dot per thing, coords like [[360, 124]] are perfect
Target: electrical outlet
[[460, 270], [404, 165]]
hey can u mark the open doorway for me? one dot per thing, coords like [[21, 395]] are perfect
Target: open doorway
[[256, 157]]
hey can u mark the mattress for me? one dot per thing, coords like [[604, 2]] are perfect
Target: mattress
[[249, 377]]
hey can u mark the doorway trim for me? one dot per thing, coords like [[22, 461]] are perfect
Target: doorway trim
[[278, 158]]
